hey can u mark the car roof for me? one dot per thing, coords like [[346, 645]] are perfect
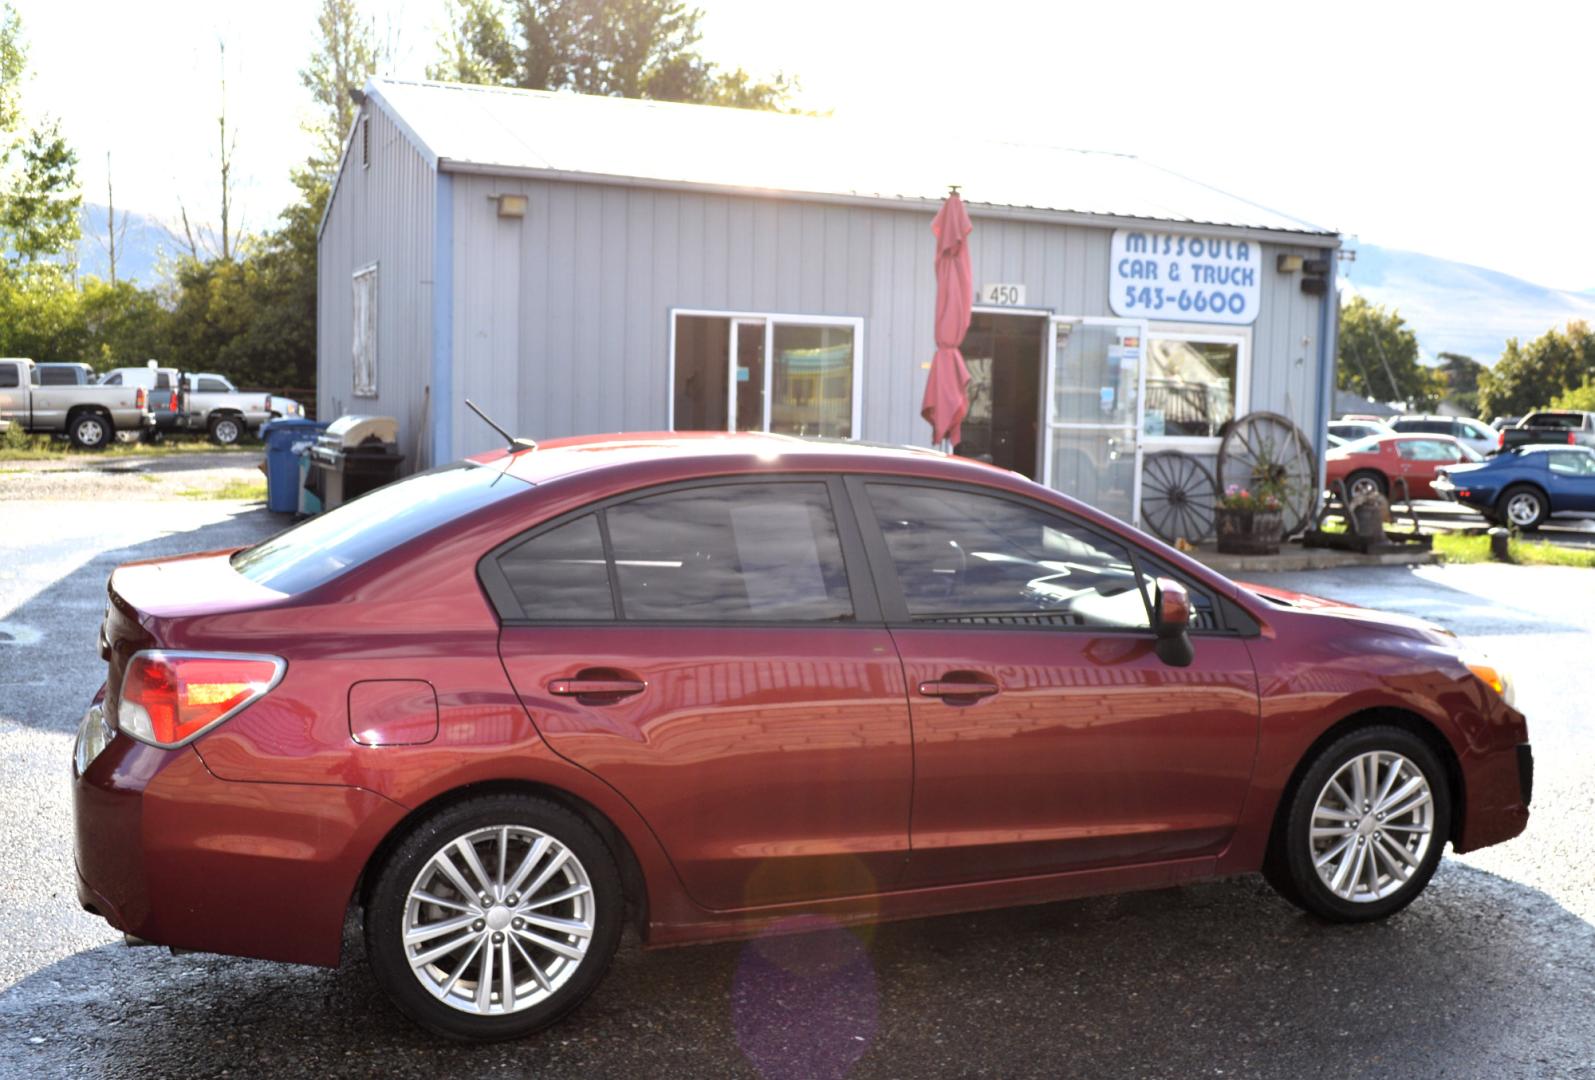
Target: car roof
[[691, 453], [1538, 448]]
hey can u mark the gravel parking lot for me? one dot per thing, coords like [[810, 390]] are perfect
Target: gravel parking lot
[[1490, 974]]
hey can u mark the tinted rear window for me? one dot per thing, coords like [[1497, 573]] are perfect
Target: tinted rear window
[[318, 550], [1564, 421]]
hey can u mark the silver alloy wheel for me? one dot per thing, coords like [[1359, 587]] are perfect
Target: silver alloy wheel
[[1371, 826], [90, 432], [226, 432], [498, 920], [1523, 509], [1364, 487]]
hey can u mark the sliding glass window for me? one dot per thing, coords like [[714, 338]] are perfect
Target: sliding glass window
[[788, 374]]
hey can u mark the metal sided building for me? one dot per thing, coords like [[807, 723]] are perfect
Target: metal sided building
[[578, 265]]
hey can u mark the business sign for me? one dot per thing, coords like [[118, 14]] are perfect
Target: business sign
[[1002, 295], [1177, 277]]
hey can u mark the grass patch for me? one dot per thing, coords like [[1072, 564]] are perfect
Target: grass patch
[[18, 445], [240, 490], [1459, 548]]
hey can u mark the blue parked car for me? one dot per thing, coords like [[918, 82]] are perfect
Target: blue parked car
[[1524, 486]]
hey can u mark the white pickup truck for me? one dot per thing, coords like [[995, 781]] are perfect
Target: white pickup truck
[[89, 415]]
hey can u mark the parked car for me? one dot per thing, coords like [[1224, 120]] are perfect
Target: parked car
[[1566, 426], [708, 685], [1354, 430], [1395, 466], [213, 405], [1474, 433], [1505, 422], [162, 387], [89, 415], [1524, 486], [57, 373]]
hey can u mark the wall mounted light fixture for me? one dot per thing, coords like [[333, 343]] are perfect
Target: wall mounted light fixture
[[511, 206]]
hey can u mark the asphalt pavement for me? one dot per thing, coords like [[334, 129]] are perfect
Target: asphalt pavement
[[1490, 974]]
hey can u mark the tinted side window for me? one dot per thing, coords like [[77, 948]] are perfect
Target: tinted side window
[[969, 558], [1570, 462], [730, 552], [8, 376], [56, 376], [112, 380], [561, 574], [211, 385]]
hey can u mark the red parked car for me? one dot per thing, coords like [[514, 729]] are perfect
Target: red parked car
[[1380, 463], [700, 685]]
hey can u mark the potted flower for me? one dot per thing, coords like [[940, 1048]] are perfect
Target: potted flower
[[1249, 522]]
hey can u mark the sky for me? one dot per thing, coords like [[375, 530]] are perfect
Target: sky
[[1459, 130]]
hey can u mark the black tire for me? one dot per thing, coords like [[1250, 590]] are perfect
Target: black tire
[[226, 430], [1520, 496], [1380, 484], [385, 916], [91, 431], [1290, 866]]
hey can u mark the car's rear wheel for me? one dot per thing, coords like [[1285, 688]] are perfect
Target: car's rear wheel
[[1366, 484], [1523, 507], [1365, 827], [226, 430], [91, 431], [494, 918]]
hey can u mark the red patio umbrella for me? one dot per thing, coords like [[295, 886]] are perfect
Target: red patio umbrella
[[947, 389]]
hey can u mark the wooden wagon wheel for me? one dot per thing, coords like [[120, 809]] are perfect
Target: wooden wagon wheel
[[1177, 496], [1264, 449]]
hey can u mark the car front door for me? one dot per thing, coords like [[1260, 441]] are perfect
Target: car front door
[[1570, 480], [1048, 735], [710, 652]]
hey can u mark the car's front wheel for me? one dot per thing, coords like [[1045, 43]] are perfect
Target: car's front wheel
[[1364, 828], [494, 918], [226, 430]]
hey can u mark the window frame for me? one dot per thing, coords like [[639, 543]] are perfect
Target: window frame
[[1201, 334], [860, 586], [1229, 618], [371, 388], [770, 319]]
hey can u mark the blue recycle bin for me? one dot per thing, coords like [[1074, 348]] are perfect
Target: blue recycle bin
[[287, 442]]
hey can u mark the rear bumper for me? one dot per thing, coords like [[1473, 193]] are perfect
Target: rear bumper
[[167, 852]]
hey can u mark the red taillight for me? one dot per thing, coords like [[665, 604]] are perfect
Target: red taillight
[[139, 399], [171, 403], [1570, 440], [170, 698], [1500, 439]]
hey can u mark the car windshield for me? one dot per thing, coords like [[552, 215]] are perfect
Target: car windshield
[[318, 550]]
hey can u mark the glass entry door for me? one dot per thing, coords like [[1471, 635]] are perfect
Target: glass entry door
[[1096, 384]]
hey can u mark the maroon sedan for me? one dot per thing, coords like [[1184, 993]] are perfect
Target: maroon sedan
[[1395, 466], [700, 685]]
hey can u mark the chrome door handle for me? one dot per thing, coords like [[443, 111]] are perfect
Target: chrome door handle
[[612, 688], [944, 688]]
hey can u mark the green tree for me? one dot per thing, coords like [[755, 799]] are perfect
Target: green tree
[[40, 214], [40, 316], [1529, 377], [345, 56], [123, 325], [1460, 377], [1378, 357], [616, 48]]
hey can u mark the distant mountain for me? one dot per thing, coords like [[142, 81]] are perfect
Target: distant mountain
[[138, 251], [1454, 307]]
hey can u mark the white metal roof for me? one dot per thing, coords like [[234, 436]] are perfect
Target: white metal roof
[[500, 129]]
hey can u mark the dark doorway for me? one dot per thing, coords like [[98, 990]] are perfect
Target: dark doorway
[[1003, 354]]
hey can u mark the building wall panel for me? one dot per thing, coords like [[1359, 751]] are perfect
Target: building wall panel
[[381, 213]]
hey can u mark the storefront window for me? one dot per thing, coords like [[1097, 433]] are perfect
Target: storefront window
[[794, 375], [1190, 385]]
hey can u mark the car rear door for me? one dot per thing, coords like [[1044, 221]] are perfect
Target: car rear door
[[711, 652], [1048, 735]]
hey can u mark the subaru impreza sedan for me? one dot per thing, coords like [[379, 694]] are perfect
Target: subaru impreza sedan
[[699, 685]]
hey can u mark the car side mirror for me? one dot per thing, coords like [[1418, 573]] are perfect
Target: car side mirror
[[1172, 610]]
